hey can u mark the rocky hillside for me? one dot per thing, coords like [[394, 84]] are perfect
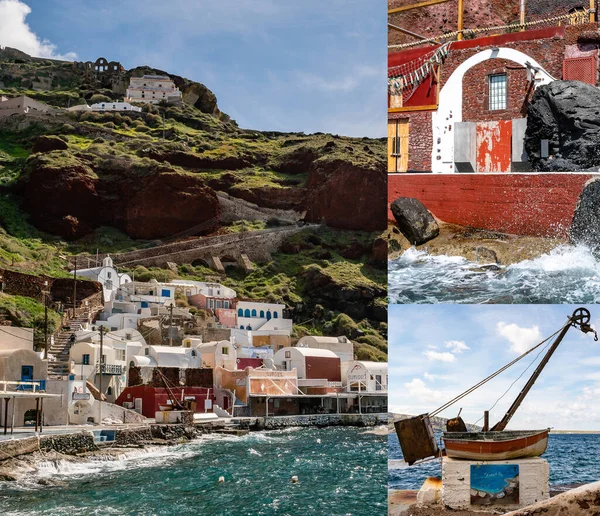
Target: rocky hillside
[[156, 173], [74, 182]]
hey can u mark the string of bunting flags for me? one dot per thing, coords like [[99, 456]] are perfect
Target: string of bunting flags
[[413, 73]]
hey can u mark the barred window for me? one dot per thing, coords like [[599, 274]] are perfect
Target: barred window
[[497, 92]]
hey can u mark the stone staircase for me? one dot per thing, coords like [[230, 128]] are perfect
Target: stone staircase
[[61, 346]]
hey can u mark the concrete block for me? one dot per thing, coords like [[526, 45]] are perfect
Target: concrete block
[[465, 146], [430, 492], [520, 162], [460, 491]]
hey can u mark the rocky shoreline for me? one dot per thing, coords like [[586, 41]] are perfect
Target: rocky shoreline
[[480, 246]]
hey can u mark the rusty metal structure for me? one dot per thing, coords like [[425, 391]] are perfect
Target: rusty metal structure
[[416, 435]]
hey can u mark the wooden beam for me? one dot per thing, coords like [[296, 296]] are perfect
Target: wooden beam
[[400, 29], [461, 10], [407, 109], [426, 3], [592, 11]]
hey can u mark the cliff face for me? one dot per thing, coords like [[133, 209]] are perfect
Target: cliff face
[[70, 195]]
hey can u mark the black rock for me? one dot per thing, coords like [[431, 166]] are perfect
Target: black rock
[[585, 228], [567, 114], [414, 220]]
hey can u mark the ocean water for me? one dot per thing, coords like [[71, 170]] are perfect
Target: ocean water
[[568, 274], [573, 459], [341, 471]]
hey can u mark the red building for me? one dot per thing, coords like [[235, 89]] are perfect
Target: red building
[[459, 109]]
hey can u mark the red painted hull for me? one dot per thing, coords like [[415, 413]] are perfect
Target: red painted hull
[[496, 445], [537, 204]]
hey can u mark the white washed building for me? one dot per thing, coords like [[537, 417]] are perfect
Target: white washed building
[[107, 275], [21, 106], [341, 346], [115, 106], [152, 89], [364, 376]]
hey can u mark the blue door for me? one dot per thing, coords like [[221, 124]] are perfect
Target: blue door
[[26, 373]]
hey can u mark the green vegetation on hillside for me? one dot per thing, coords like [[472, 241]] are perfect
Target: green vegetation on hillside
[[26, 312]]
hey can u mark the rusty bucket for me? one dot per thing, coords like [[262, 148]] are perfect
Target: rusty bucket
[[416, 437]]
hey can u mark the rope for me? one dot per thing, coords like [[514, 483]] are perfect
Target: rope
[[576, 18], [513, 383], [493, 375]]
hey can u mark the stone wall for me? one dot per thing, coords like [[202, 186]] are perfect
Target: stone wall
[[195, 377], [133, 436], [14, 448], [273, 423], [256, 244], [61, 289], [173, 432], [234, 208], [68, 444]]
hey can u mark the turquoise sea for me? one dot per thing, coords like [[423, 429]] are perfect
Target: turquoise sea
[[341, 471]]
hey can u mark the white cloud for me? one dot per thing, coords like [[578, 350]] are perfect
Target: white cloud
[[521, 339], [333, 83], [418, 391], [442, 357], [435, 377], [16, 33], [456, 346]]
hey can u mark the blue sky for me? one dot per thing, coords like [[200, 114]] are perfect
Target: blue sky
[[438, 351], [273, 64]]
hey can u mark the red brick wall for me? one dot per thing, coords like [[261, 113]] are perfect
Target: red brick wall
[[323, 367], [476, 91], [523, 204], [420, 139]]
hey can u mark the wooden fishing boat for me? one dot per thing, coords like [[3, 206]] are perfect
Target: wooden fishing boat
[[417, 437], [495, 445]]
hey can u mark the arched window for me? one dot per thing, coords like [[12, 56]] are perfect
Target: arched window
[[240, 313], [242, 327], [247, 313], [253, 312], [193, 353], [109, 391], [262, 314], [249, 328], [275, 315], [268, 315]]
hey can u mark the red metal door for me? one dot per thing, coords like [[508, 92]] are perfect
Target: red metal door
[[494, 146]]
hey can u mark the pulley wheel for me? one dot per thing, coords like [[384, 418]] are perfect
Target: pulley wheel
[[581, 316]]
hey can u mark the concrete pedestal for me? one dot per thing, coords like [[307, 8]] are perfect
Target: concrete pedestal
[[494, 485]]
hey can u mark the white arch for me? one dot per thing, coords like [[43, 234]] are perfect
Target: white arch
[[451, 99]]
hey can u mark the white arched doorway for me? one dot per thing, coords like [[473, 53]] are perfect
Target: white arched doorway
[[451, 100]]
